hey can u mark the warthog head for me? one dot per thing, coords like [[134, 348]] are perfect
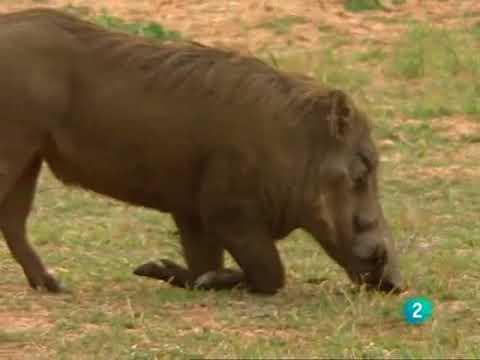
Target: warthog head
[[343, 211]]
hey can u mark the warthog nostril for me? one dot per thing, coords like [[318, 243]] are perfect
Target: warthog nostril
[[365, 223]]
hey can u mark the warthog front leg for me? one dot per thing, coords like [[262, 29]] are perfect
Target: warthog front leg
[[167, 271], [204, 258], [256, 255], [179, 276]]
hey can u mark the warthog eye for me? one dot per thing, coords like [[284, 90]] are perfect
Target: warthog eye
[[361, 173], [360, 182]]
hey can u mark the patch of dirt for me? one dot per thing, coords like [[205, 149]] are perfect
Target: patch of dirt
[[446, 173], [22, 352], [283, 334], [202, 318], [199, 317], [456, 127], [11, 352], [12, 288], [242, 23], [453, 307], [463, 163], [19, 321], [12, 321]]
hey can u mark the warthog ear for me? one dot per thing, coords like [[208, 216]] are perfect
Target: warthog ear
[[341, 113]]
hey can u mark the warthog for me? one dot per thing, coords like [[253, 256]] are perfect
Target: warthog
[[238, 152]]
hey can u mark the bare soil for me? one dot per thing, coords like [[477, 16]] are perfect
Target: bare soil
[[250, 24]]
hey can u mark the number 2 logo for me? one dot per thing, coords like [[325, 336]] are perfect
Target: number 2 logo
[[417, 310], [417, 306]]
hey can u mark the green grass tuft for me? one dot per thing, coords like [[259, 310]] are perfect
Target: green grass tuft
[[283, 25], [363, 5], [148, 29], [430, 59], [426, 49], [371, 55]]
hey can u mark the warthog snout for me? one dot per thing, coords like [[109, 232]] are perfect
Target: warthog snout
[[378, 271]]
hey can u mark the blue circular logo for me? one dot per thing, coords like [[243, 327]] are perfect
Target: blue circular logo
[[417, 310]]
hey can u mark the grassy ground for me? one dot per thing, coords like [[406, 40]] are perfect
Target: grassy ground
[[423, 94]]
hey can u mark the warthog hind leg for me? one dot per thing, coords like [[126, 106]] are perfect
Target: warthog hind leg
[[17, 187]]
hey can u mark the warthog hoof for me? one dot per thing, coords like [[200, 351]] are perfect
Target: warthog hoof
[[48, 283], [220, 280]]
